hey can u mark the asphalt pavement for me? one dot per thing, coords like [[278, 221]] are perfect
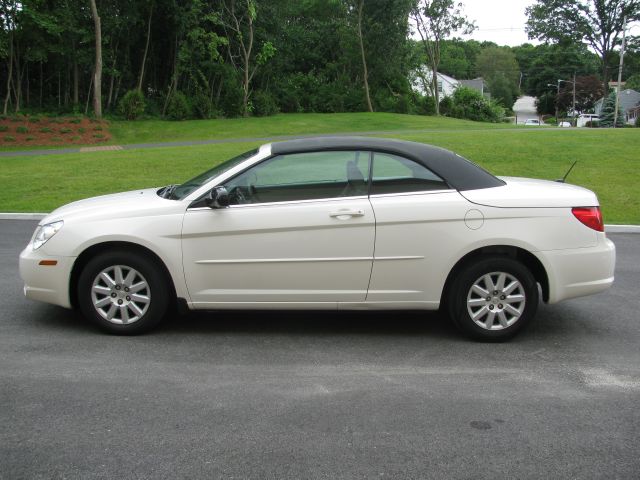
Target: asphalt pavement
[[320, 395]]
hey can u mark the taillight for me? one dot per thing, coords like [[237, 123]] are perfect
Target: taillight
[[590, 216]]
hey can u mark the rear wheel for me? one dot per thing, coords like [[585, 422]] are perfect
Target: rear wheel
[[493, 299], [123, 293]]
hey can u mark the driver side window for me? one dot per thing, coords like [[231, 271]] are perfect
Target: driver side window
[[302, 176]]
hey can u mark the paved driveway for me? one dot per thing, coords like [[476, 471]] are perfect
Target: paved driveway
[[525, 109], [320, 395]]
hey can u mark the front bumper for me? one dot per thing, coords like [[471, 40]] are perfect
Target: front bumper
[[581, 271], [46, 283]]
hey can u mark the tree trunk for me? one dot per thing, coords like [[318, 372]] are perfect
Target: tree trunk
[[113, 75], [97, 77], [9, 75], [41, 85], [364, 60], [434, 81], [146, 50], [18, 83], [86, 106]]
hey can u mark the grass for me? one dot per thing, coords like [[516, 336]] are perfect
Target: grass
[[124, 132], [607, 159]]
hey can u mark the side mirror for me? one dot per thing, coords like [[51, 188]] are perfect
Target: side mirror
[[217, 198]]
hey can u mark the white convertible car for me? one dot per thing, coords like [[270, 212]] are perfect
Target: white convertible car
[[326, 223]]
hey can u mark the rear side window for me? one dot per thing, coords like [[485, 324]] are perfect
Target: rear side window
[[394, 174]]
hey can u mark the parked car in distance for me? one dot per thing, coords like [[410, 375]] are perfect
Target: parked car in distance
[[533, 122], [564, 124], [326, 223], [585, 118]]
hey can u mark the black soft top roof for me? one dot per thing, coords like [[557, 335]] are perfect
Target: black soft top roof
[[458, 172]]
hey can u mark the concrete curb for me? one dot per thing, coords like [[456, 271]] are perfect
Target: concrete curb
[[40, 216]]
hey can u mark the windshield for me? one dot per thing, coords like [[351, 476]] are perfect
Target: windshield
[[178, 192]]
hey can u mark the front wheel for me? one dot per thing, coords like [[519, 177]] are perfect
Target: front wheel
[[493, 299], [123, 293]]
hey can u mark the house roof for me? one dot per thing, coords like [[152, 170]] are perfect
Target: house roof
[[628, 99]]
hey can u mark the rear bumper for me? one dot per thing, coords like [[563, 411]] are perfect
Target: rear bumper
[[46, 283], [581, 271]]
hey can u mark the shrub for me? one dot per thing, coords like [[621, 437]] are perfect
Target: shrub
[[22, 129], [132, 104], [75, 138], [16, 119], [98, 135], [178, 108], [9, 138], [56, 139], [28, 138], [3, 128], [264, 104], [637, 121], [34, 119], [470, 104], [75, 120], [45, 130], [65, 130], [202, 107], [231, 101], [82, 130], [97, 128], [592, 124]]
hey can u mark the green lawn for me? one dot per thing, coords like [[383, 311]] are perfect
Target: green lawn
[[607, 163], [284, 124]]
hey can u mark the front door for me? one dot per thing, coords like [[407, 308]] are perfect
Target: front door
[[300, 230]]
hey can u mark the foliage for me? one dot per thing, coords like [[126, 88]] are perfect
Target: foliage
[[470, 104], [435, 20], [132, 104], [607, 115], [263, 104], [597, 23], [499, 68], [201, 106], [178, 107], [633, 82], [588, 91]]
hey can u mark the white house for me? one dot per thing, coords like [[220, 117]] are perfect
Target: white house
[[421, 82]]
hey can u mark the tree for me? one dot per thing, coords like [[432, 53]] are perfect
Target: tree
[[597, 23], [240, 21], [97, 76], [633, 82], [588, 91], [435, 20], [499, 68], [607, 114], [365, 74]]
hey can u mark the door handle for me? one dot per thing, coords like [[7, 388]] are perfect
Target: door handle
[[347, 213]]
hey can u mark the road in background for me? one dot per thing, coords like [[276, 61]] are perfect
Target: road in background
[[525, 109], [320, 395]]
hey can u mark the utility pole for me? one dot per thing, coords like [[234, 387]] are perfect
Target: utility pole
[[615, 114], [574, 99]]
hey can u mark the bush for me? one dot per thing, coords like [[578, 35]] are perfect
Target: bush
[[75, 120], [28, 138], [34, 119], [471, 105], [65, 130], [202, 106], [178, 108], [9, 138], [592, 124], [98, 135], [264, 104], [97, 128], [22, 129], [132, 104], [637, 121], [45, 130], [3, 128], [80, 130]]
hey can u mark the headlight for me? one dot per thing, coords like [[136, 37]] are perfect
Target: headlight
[[45, 232]]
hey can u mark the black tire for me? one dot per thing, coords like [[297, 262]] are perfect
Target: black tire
[[143, 315], [496, 319]]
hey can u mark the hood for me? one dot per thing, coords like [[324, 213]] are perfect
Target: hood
[[125, 204], [529, 192]]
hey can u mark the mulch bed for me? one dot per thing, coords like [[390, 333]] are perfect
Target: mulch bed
[[23, 130]]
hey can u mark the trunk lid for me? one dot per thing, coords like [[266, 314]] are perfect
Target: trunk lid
[[530, 193]]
